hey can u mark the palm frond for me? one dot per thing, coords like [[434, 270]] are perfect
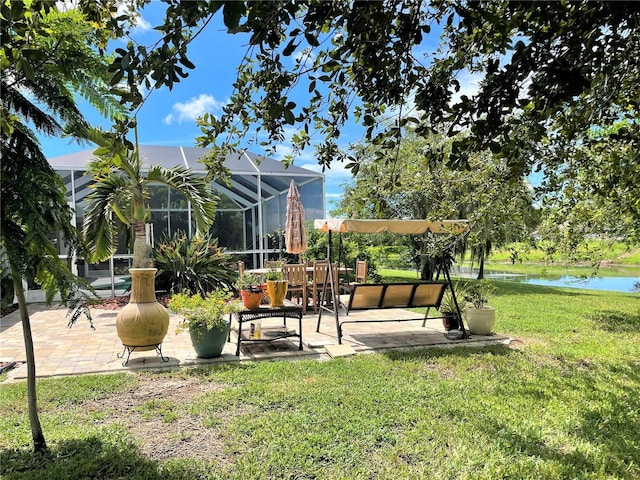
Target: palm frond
[[194, 187], [14, 101], [99, 227], [55, 95]]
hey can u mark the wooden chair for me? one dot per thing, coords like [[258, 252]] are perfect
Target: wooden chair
[[360, 274], [361, 271], [296, 274], [317, 282]]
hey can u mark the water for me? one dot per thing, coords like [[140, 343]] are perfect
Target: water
[[614, 284]]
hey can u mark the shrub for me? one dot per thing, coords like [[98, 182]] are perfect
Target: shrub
[[478, 292], [195, 264], [209, 311]]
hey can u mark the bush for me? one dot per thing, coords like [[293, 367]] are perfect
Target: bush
[[197, 311], [477, 292], [195, 264]]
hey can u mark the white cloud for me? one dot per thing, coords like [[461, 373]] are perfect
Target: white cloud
[[129, 9], [304, 57], [193, 109], [469, 85], [142, 25]]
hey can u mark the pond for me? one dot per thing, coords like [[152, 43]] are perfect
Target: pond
[[610, 283]]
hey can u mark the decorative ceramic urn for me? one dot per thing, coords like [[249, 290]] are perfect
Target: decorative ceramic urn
[[143, 322]]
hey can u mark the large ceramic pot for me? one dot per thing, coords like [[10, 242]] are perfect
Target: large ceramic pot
[[277, 291], [208, 343], [143, 322], [481, 320]]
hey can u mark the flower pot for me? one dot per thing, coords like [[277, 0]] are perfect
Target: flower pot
[[250, 299], [208, 343], [481, 320], [143, 322], [277, 290], [450, 321]]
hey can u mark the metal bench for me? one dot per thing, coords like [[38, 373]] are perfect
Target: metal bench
[[367, 296]]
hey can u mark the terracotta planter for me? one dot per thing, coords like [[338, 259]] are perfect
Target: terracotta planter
[[277, 291], [143, 322], [251, 300], [450, 321], [481, 320]]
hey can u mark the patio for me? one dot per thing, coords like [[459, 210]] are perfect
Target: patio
[[80, 350]]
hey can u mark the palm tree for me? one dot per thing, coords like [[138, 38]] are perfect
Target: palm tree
[[122, 189], [48, 57]]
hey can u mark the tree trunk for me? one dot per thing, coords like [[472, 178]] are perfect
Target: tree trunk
[[481, 267], [39, 442], [142, 256]]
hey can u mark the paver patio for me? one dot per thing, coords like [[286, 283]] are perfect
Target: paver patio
[[80, 350]]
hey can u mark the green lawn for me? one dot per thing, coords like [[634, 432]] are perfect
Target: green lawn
[[556, 271], [561, 402], [611, 253]]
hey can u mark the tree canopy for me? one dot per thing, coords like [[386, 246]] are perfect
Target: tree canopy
[[548, 74], [498, 207]]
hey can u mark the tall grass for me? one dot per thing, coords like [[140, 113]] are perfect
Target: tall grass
[[561, 402]]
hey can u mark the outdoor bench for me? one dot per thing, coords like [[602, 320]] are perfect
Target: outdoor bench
[[368, 296]]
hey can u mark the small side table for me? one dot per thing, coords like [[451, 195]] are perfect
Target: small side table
[[268, 334]]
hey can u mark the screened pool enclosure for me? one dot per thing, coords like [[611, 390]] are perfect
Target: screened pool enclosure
[[250, 216]]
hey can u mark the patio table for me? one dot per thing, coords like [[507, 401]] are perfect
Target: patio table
[[269, 333]]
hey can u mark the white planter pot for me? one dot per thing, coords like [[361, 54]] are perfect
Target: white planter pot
[[481, 320]]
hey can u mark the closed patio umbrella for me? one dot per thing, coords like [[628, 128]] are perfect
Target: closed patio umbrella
[[295, 233]]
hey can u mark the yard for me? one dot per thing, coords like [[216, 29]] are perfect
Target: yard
[[560, 402]]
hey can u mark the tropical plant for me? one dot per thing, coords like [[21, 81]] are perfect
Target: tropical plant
[[196, 264], [448, 304], [275, 272], [209, 311], [122, 188], [477, 292], [48, 60], [248, 281]]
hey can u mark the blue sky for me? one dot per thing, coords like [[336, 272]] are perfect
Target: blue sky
[[168, 117]]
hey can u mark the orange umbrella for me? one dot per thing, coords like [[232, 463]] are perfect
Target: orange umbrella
[[295, 237]]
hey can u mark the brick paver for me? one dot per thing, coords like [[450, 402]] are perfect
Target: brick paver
[[79, 350]]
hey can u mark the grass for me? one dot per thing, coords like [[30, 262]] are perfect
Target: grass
[[616, 253], [548, 271], [561, 403], [556, 271]]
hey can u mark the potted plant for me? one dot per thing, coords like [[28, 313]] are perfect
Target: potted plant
[[450, 317], [481, 318], [277, 284], [205, 318], [250, 290]]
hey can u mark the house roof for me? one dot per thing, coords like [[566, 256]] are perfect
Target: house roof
[[238, 162], [243, 190]]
